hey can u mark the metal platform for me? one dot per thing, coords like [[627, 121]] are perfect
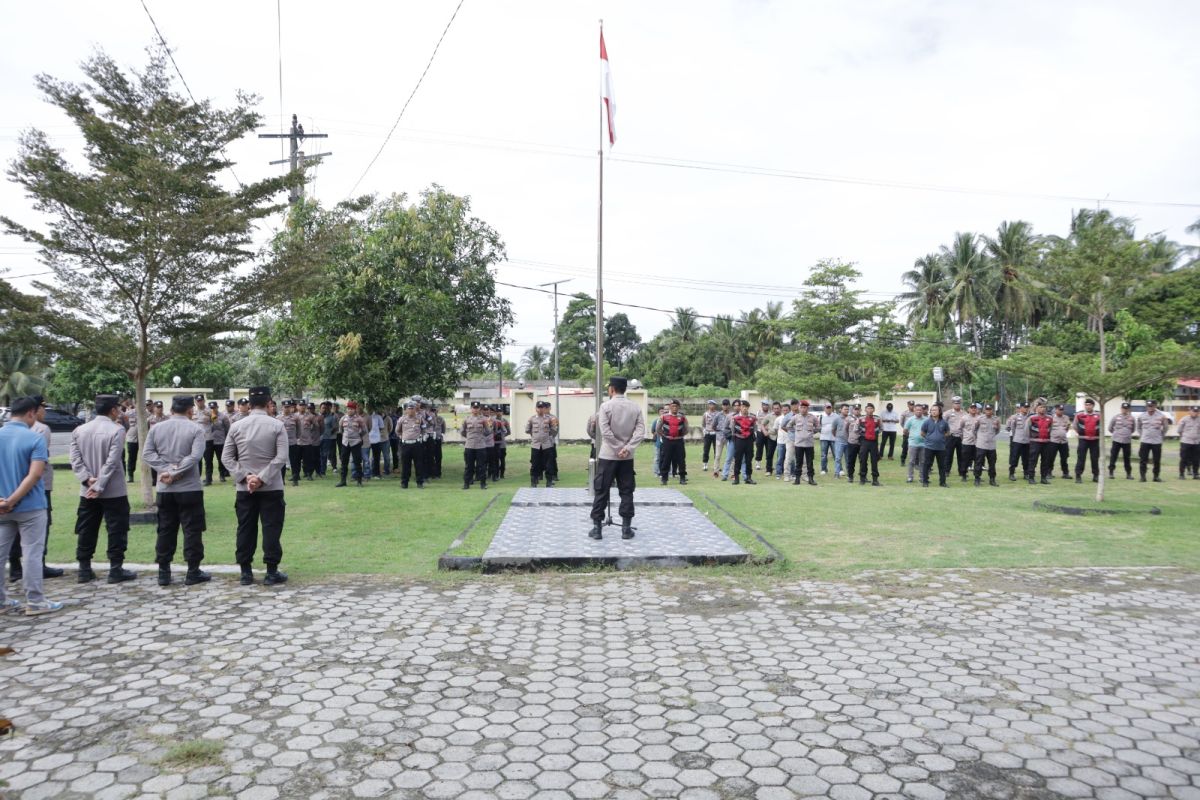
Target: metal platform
[[554, 532]]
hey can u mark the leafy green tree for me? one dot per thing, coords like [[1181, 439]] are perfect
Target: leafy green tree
[[21, 374], [577, 335], [148, 250], [621, 339], [406, 304], [77, 383], [1169, 304]]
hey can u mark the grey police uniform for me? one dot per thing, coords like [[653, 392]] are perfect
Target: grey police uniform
[[175, 447], [1121, 426], [96, 453], [1152, 428], [622, 428], [257, 445], [1189, 446]]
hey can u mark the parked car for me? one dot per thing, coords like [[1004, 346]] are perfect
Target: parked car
[[61, 422]]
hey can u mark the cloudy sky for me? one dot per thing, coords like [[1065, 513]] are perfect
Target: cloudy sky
[[753, 138]]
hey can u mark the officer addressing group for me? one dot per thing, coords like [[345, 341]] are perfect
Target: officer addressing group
[[622, 428]]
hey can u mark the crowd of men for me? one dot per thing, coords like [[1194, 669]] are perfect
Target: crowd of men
[[784, 441]]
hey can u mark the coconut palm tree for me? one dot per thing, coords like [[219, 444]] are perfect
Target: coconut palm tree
[[1013, 255], [21, 374], [535, 364], [685, 327], [968, 289], [925, 299]]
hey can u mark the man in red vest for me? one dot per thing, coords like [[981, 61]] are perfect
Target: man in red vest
[[741, 427], [1040, 445], [672, 428], [870, 432], [1087, 427]]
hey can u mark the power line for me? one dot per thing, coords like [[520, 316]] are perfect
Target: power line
[[409, 100], [183, 80]]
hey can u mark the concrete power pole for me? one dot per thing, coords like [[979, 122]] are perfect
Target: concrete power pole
[[297, 160]]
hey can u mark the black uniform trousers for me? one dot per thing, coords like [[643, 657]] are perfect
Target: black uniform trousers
[[985, 457], [942, 457], [953, 450], [966, 460], [377, 458], [217, 448], [710, 444], [350, 452], [15, 554], [888, 443], [255, 508], [1122, 448], [770, 459], [1146, 453], [329, 449], [608, 471], [1085, 447], [743, 449], [760, 444], [476, 463], [114, 512], [1045, 452], [394, 443], [903, 448], [131, 462], [1063, 449], [410, 462], [501, 459], [868, 449], [1018, 453], [436, 447], [210, 450], [850, 453], [310, 456], [1189, 459], [803, 454], [544, 461], [294, 460], [672, 459], [175, 510]]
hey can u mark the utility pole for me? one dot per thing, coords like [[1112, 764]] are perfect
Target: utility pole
[[297, 160], [557, 387]]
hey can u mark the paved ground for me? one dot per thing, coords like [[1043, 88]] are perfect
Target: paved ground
[[1004, 684]]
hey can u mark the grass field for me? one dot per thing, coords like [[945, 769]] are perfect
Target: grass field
[[831, 530]]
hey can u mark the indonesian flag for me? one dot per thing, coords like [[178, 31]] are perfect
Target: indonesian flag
[[610, 100]]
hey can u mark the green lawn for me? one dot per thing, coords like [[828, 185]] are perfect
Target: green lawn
[[832, 530]]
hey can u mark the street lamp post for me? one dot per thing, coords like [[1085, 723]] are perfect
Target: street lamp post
[[557, 388]]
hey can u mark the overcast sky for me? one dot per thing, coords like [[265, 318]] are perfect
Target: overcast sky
[[1015, 101]]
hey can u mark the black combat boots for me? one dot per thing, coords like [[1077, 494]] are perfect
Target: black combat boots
[[118, 574], [597, 530], [164, 574]]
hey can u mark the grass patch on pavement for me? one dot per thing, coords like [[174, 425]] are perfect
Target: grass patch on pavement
[[834, 529], [196, 753]]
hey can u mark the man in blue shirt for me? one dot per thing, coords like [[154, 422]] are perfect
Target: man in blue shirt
[[23, 458]]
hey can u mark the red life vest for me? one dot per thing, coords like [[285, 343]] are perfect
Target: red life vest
[[1040, 426], [743, 426], [869, 428], [1091, 425], [673, 424]]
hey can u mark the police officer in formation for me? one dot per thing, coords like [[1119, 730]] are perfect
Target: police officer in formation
[[1152, 428], [1189, 444], [501, 431], [542, 429], [353, 430], [1121, 427], [411, 429], [476, 431], [1087, 428], [174, 449], [621, 428], [255, 453]]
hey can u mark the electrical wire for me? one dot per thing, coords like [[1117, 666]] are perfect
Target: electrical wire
[[183, 80], [413, 94]]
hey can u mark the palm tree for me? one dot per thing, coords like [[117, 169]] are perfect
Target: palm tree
[[967, 290], [535, 364], [727, 347], [1013, 255], [21, 374], [926, 295], [1163, 253], [685, 327]]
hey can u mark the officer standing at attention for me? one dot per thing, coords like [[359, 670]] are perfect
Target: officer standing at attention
[[291, 428], [955, 418], [309, 440], [622, 428], [805, 426], [439, 436], [1060, 423], [1018, 442], [1121, 427], [905, 415], [476, 430], [503, 431], [868, 449], [354, 433], [1189, 444], [174, 448], [329, 439], [96, 461], [131, 440], [542, 427], [721, 428], [969, 429], [203, 417], [411, 430], [760, 435], [1087, 427], [986, 428], [709, 425], [220, 429], [256, 451], [1040, 444], [1152, 428], [673, 427]]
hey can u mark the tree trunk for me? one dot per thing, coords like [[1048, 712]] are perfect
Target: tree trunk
[[143, 423]]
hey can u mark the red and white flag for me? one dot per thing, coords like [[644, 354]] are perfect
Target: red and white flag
[[610, 101]]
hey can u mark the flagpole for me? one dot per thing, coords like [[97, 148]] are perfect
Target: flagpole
[[600, 256]]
